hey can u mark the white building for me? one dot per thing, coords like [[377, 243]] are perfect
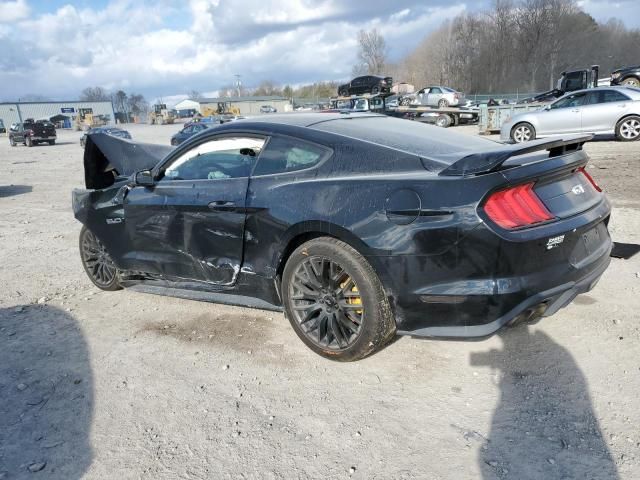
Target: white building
[[187, 104], [247, 105], [65, 112]]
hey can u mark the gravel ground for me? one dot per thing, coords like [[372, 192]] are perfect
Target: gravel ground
[[127, 385]]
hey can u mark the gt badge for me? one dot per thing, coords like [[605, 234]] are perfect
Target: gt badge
[[553, 242], [578, 189]]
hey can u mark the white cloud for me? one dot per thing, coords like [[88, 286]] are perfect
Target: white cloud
[[10, 11], [170, 47]]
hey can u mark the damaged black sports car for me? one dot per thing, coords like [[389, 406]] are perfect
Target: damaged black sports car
[[359, 226]]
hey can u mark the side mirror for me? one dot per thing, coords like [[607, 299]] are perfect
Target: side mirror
[[547, 107], [144, 178]]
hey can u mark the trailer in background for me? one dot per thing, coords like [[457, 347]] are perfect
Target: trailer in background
[[387, 104], [491, 118]]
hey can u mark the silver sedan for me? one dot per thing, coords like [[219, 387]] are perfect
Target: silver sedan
[[436, 96], [600, 111]]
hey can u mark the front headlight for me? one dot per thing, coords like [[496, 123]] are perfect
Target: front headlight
[[615, 75]]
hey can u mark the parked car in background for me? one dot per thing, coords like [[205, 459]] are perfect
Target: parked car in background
[[435, 96], [32, 133], [190, 130], [3, 129], [209, 120], [113, 131], [599, 111], [372, 84], [267, 109], [627, 76], [359, 226]]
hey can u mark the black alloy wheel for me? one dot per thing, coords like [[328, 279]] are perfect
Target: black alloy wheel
[[326, 303], [97, 262], [335, 302]]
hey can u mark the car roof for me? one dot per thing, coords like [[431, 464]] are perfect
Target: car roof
[[634, 93], [303, 119], [416, 138]]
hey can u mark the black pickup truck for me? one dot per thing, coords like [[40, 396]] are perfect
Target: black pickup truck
[[31, 133]]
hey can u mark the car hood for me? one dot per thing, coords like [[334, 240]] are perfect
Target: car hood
[[624, 69], [106, 157]]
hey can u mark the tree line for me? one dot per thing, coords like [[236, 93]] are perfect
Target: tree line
[[124, 105], [520, 45]]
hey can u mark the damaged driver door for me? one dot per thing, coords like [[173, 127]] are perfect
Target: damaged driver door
[[189, 225]]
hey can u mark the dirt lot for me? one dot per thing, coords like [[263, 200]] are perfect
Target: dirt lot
[[128, 385]]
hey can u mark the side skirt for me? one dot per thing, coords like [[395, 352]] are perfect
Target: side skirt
[[201, 296]]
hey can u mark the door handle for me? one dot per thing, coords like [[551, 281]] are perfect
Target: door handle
[[221, 205]]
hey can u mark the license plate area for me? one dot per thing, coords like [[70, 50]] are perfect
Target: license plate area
[[589, 243]]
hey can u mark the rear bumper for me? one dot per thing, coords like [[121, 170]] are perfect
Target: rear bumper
[[489, 285], [542, 304]]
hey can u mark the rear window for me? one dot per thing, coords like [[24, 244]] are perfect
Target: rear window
[[427, 141], [286, 154]]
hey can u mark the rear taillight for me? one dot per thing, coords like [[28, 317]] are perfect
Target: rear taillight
[[590, 178], [516, 207]]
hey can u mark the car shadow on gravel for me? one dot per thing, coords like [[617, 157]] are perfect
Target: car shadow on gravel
[[46, 394], [544, 425], [11, 190]]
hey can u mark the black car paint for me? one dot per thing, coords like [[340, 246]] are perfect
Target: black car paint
[[113, 131], [626, 73], [189, 130], [366, 84], [448, 271], [37, 131]]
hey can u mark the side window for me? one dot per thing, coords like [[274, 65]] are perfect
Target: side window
[[435, 90], [575, 100], [607, 96], [283, 154], [226, 157]]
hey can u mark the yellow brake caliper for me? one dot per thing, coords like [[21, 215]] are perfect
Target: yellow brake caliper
[[353, 300]]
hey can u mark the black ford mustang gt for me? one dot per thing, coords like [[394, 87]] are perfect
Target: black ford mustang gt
[[360, 226]]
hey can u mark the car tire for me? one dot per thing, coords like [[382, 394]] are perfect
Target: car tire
[[12, 141], [443, 103], [522, 132], [628, 129], [443, 120], [631, 82], [52, 142], [28, 142], [327, 288], [97, 262]]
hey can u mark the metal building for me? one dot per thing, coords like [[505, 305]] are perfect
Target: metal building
[[247, 105], [63, 112]]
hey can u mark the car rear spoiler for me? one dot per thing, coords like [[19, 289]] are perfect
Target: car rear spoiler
[[107, 157], [486, 162]]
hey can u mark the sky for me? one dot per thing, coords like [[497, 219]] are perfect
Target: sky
[[168, 48]]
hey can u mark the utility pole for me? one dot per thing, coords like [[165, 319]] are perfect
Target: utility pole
[[238, 83]]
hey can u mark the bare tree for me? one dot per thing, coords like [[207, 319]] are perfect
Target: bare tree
[[195, 95], [137, 104], [517, 45], [372, 52], [94, 94], [267, 88]]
